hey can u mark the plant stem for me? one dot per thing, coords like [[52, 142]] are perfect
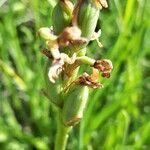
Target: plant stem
[[62, 134]]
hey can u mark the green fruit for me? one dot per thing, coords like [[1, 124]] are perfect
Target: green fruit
[[87, 18], [62, 15], [74, 104]]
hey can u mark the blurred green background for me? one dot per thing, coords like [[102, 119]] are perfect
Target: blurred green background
[[117, 116]]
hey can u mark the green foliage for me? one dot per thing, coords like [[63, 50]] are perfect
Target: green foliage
[[117, 116]]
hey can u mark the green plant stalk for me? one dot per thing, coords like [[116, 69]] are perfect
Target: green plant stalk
[[87, 20], [62, 130], [62, 133]]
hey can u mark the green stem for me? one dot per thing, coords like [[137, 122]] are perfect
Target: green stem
[[86, 60], [62, 134]]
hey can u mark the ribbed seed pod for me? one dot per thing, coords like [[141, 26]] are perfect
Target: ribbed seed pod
[[87, 17], [53, 90], [74, 104], [62, 15]]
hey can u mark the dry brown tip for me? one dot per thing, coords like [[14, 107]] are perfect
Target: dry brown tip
[[71, 35], [86, 79], [105, 66]]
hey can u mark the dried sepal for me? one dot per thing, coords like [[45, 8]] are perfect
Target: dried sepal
[[105, 66], [71, 35], [86, 79]]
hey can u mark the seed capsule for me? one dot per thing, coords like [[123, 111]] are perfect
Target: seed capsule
[[62, 15], [74, 104], [86, 16]]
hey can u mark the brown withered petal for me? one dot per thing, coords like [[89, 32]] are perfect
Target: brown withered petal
[[86, 79], [105, 66], [71, 35]]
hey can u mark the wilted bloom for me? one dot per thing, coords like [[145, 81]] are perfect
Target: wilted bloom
[[105, 66], [71, 35]]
